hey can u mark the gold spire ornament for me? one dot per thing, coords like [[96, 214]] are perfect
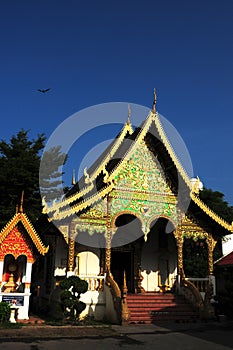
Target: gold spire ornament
[[129, 114], [21, 203], [125, 313], [154, 103], [73, 178]]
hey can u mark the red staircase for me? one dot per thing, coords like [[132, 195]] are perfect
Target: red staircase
[[156, 308]]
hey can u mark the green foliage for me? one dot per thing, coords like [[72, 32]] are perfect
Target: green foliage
[[215, 201], [195, 258], [5, 311], [72, 287], [195, 253], [20, 164]]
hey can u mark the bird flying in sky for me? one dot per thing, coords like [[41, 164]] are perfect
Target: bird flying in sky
[[43, 90]]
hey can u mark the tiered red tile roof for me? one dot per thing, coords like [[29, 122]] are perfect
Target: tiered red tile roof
[[225, 260]]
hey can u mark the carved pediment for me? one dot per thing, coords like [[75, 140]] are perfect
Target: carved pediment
[[142, 173]]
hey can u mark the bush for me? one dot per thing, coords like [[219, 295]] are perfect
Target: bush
[[72, 287], [5, 311]]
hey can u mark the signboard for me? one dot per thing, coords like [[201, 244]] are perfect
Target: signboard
[[12, 298]]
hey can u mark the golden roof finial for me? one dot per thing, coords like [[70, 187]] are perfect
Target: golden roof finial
[[73, 178], [154, 103], [21, 203], [129, 114]]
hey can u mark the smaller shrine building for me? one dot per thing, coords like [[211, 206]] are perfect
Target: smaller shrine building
[[20, 246]]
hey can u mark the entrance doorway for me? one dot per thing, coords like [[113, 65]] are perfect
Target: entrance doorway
[[159, 257], [123, 261]]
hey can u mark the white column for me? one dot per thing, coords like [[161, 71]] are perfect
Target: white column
[[1, 269], [213, 282], [28, 272], [1, 273], [28, 277]]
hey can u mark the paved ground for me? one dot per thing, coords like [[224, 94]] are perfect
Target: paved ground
[[43, 331], [176, 336], [51, 332]]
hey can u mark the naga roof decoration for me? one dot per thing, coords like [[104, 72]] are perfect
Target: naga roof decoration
[[22, 217], [90, 176], [100, 179], [210, 212]]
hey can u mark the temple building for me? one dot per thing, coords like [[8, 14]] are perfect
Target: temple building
[[20, 246], [124, 224]]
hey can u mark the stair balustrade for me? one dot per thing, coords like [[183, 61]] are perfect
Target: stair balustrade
[[95, 283]]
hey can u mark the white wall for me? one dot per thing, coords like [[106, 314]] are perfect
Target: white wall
[[227, 244], [61, 257]]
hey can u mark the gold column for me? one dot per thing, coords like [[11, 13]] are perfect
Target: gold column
[[102, 261], [71, 247], [180, 241], [211, 245], [180, 270], [108, 238]]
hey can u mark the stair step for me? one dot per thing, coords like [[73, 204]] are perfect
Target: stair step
[[159, 309], [154, 308], [157, 302], [153, 296]]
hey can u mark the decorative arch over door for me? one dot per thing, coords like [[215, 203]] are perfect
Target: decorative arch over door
[[14, 273]]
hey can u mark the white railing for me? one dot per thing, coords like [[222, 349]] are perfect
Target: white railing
[[202, 284], [95, 283]]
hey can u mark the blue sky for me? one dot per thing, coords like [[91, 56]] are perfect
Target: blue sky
[[96, 52]]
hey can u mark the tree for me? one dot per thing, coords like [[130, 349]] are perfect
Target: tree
[[215, 201], [50, 176], [195, 256], [19, 164]]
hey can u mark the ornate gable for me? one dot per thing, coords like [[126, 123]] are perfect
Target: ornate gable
[[17, 243], [20, 234], [141, 188], [142, 173]]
